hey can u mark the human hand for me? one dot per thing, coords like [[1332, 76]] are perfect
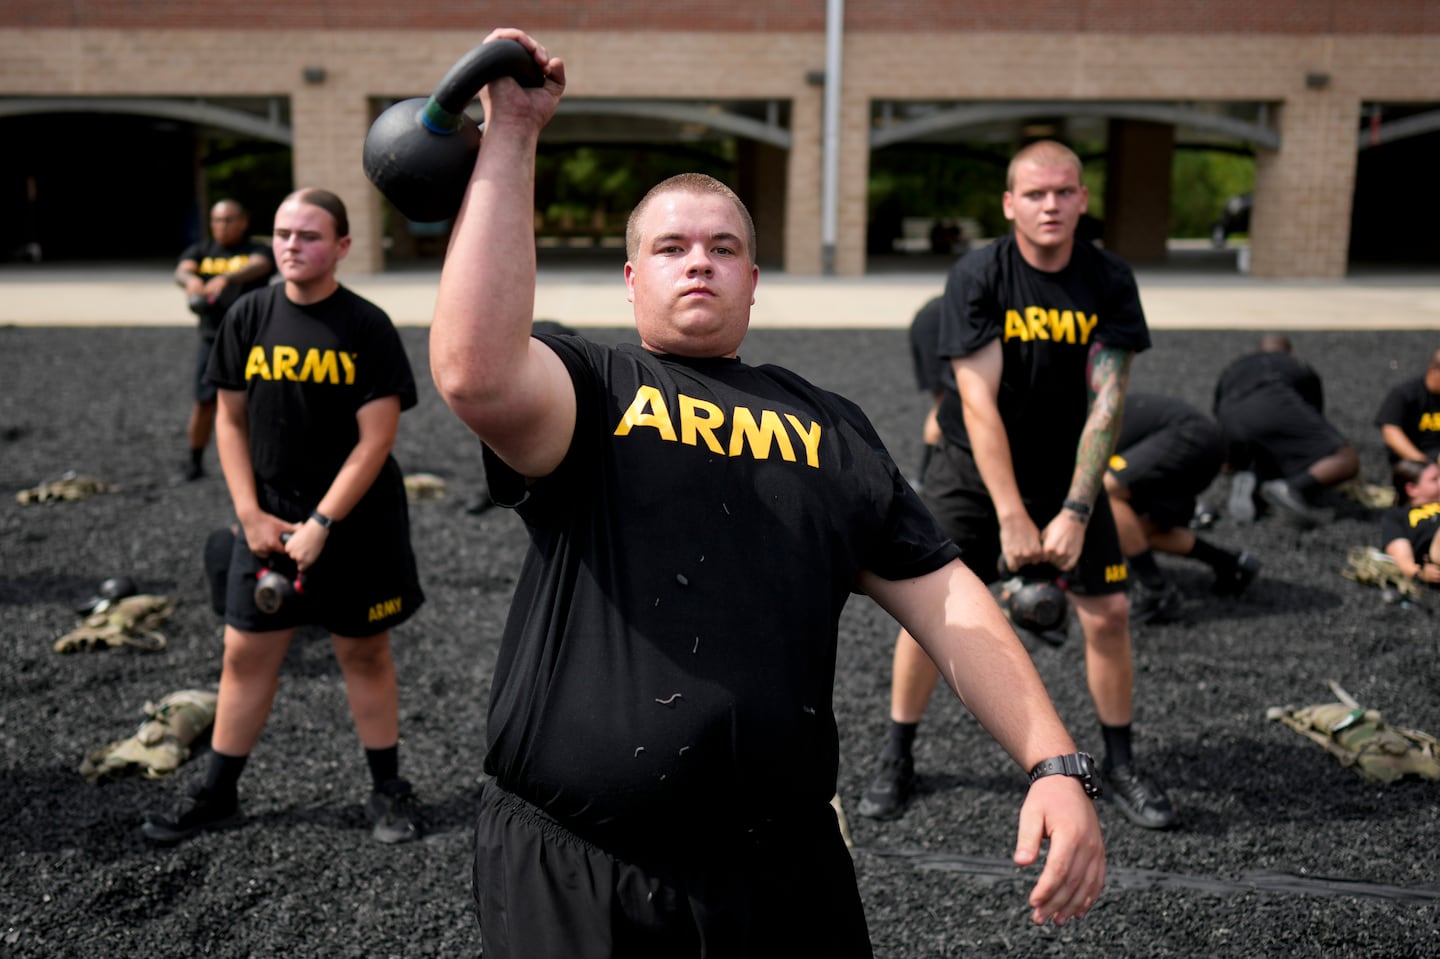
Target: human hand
[[1020, 543], [264, 532], [306, 543], [214, 287], [503, 99], [1062, 541], [1057, 809]]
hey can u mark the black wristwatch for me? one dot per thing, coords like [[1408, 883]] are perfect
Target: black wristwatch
[[1079, 765]]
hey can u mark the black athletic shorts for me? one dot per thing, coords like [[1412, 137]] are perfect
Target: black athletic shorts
[[955, 493], [364, 583], [1276, 433], [205, 391], [541, 890], [1166, 470]]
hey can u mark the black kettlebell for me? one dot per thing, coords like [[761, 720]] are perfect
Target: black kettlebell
[[274, 588], [420, 152]]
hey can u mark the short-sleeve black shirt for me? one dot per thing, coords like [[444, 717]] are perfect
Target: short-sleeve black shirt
[[1413, 408], [306, 371], [1416, 524], [214, 260], [669, 659], [1048, 325]]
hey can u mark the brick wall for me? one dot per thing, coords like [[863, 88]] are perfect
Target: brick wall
[[1299, 17], [1312, 172]]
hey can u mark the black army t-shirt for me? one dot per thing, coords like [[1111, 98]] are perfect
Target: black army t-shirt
[[669, 659], [1048, 325], [306, 371]]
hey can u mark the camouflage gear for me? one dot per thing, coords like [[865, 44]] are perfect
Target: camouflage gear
[[67, 487], [1367, 494], [1374, 567], [131, 621], [420, 486], [1360, 739], [161, 743]]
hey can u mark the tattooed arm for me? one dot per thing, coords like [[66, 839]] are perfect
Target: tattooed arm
[[1109, 375]]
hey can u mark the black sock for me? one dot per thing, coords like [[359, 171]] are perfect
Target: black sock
[[1144, 566], [198, 456], [1117, 745], [1306, 485], [384, 764], [222, 778], [1221, 560], [900, 739]]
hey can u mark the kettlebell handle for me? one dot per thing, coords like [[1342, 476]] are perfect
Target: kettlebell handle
[[444, 111]]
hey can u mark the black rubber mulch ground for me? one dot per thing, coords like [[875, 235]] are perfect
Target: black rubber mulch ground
[[1280, 852]]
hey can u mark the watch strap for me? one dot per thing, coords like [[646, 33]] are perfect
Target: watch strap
[[322, 519], [1077, 765]]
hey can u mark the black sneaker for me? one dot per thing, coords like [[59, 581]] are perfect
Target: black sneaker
[[1151, 604], [394, 812], [195, 812], [1138, 799], [1282, 496], [890, 791], [189, 472], [1236, 579]]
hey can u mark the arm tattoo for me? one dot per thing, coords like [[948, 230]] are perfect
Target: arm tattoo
[[1110, 373]]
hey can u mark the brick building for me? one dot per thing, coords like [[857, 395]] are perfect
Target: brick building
[[1307, 85]]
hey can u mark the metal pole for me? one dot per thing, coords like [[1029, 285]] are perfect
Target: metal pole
[[830, 170]]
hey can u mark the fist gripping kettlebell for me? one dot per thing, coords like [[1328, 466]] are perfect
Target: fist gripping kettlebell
[[420, 152]]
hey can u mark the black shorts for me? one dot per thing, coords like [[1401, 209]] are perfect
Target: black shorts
[[956, 495], [205, 391], [1166, 470], [364, 583], [1276, 433], [541, 890]]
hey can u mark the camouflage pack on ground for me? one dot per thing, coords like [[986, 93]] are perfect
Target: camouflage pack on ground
[[1362, 740], [1375, 567], [420, 486], [1367, 494], [131, 621], [161, 743], [67, 487]]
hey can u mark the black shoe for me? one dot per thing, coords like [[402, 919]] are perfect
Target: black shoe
[[1291, 504], [1151, 604], [189, 472], [1138, 799], [1237, 578], [195, 812], [890, 791], [394, 812]]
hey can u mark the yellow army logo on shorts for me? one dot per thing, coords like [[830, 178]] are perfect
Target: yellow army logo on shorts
[[1058, 326], [385, 610], [1116, 573]]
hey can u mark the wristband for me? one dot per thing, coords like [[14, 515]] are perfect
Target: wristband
[[322, 519], [1077, 507]]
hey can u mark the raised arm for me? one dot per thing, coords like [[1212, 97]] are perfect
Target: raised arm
[[512, 391], [956, 621]]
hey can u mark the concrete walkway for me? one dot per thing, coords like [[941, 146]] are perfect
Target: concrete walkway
[[60, 295]]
